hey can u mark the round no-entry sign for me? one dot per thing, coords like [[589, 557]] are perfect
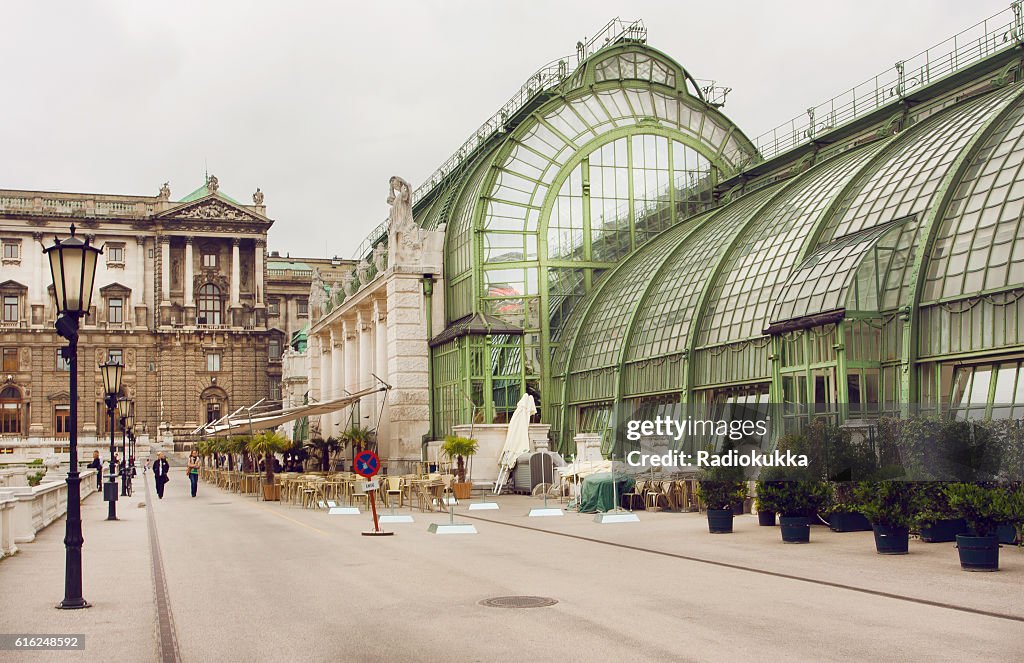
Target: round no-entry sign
[[367, 464]]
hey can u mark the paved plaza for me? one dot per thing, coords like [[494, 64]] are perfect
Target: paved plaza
[[255, 581]]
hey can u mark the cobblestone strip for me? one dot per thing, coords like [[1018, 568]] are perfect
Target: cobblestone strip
[[167, 640]]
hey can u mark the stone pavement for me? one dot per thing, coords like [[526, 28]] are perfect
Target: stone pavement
[[254, 581]]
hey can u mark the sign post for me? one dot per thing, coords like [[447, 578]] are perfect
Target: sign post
[[367, 464]]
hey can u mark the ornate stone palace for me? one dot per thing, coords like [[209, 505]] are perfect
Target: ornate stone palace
[[181, 298]]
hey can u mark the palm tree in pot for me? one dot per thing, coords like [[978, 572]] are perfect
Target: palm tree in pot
[[324, 449], [459, 449], [265, 445]]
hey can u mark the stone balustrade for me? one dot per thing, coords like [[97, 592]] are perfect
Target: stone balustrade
[[24, 511]]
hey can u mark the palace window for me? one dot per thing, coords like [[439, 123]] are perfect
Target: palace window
[[12, 249], [11, 306], [10, 411], [115, 310], [61, 420], [274, 348], [273, 307], [303, 307], [62, 363], [10, 360], [210, 305], [213, 362], [212, 411], [209, 260], [115, 356], [115, 254]]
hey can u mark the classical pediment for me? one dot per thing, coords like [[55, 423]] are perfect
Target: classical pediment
[[115, 289], [212, 208]]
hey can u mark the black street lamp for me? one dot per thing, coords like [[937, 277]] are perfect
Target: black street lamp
[[73, 270], [111, 372], [123, 410]]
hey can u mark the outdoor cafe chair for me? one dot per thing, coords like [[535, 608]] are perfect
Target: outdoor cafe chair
[[637, 492], [395, 490], [652, 495]]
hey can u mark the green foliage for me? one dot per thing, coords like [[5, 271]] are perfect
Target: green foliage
[[37, 461], [842, 498], [359, 437], [265, 444], [935, 449], [985, 505], [933, 505], [459, 448], [831, 453], [888, 503], [721, 487], [768, 495], [792, 498], [323, 450], [36, 479]]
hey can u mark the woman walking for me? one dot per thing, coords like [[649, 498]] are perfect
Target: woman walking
[[193, 470]]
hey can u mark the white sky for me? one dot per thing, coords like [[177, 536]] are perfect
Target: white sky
[[319, 103]]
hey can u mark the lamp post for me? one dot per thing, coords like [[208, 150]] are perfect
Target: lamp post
[[73, 270], [111, 372], [130, 427], [123, 411]]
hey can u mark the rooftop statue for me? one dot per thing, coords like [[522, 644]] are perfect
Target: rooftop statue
[[165, 191], [212, 184], [257, 198], [317, 296], [405, 238]]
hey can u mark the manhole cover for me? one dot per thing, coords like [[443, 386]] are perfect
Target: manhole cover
[[518, 602]]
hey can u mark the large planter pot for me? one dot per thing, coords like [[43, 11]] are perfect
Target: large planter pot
[[1007, 534], [978, 553], [272, 493], [766, 518], [943, 531], [795, 529], [848, 521], [720, 521], [891, 540], [463, 491]]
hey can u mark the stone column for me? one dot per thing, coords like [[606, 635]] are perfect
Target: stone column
[[37, 288], [326, 386], [261, 247], [140, 284], [365, 327], [337, 375], [407, 355], [190, 300], [235, 280], [380, 367], [351, 361], [165, 271]]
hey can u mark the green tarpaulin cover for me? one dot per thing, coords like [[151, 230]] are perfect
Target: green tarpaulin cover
[[597, 493]]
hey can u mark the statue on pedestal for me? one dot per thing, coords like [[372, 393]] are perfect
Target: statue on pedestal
[[405, 238], [317, 296]]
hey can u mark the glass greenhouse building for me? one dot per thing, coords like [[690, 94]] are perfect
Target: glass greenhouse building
[[612, 239]]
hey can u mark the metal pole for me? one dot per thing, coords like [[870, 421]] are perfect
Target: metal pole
[[124, 461], [73, 539], [112, 504]]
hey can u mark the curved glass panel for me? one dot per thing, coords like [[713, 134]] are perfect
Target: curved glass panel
[[663, 322], [908, 179], [640, 66], [979, 246], [764, 256]]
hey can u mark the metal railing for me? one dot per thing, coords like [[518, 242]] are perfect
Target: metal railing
[[544, 79], [992, 35]]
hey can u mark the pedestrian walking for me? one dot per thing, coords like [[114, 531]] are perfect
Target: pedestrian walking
[[193, 470], [97, 464], [160, 469]]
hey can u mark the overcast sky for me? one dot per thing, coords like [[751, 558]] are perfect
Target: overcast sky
[[319, 103]]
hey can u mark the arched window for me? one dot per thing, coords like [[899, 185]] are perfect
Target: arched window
[[210, 305], [10, 411]]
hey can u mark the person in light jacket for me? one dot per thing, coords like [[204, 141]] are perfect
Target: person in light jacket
[[97, 465], [193, 470], [160, 469]]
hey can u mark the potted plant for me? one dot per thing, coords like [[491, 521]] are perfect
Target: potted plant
[[842, 511], [720, 489], [266, 444], [767, 508], [793, 500], [459, 449], [891, 507], [984, 506], [324, 449], [936, 520]]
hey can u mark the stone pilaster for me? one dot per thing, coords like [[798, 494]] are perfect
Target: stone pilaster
[[407, 354]]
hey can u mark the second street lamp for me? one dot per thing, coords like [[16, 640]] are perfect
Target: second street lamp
[[123, 411], [111, 372]]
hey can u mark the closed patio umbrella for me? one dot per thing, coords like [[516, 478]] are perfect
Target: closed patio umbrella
[[517, 440]]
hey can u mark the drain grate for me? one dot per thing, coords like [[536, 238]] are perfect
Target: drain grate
[[518, 602]]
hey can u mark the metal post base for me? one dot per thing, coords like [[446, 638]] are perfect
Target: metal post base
[[73, 606], [374, 533], [483, 506], [610, 517], [453, 528], [396, 519], [546, 512], [343, 511]]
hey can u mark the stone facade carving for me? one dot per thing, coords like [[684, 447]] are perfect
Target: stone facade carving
[[363, 271], [349, 283], [213, 209], [317, 296], [405, 238], [380, 257]]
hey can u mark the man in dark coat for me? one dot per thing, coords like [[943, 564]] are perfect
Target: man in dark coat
[[160, 469], [97, 465]]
